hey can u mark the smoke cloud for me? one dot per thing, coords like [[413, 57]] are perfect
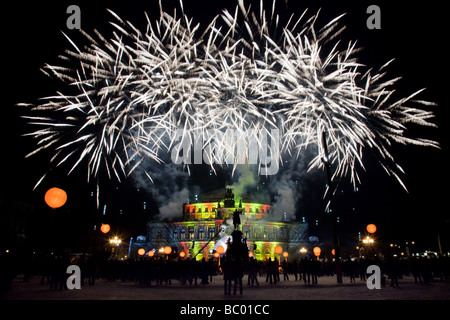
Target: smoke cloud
[[172, 210], [286, 187], [168, 185], [284, 190], [245, 177]]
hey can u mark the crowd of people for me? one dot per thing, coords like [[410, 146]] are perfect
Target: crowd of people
[[163, 271], [160, 271]]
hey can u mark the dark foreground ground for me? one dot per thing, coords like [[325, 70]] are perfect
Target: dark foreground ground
[[285, 300], [326, 289]]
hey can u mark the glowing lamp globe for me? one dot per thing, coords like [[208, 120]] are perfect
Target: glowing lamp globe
[[285, 254], [278, 249], [371, 228], [317, 251], [333, 252], [182, 254], [151, 253], [216, 255], [220, 249], [250, 254], [105, 228], [141, 251], [167, 250], [55, 198]]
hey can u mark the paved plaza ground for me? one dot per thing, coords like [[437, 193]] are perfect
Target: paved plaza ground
[[326, 289]]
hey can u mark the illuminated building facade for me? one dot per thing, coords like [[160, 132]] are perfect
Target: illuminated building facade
[[209, 222]]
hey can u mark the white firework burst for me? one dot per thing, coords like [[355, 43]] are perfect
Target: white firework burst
[[246, 71]]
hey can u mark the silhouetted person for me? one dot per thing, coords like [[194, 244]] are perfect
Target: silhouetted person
[[252, 272], [238, 274], [295, 269], [393, 271], [415, 270], [227, 275], [352, 271], [269, 271], [315, 270], [285, 267], [305, 268]]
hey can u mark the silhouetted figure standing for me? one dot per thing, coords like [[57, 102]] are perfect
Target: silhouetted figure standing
[[415, 270], [305, 268], [227, 274], [275, 272], [285, 267], [237, 252], [315, 270], [352, 267], [393, 271], [295, 269], [252, 272], [238, 274], [269, 271]]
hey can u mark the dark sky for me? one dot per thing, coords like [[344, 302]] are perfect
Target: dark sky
[[412, 34]]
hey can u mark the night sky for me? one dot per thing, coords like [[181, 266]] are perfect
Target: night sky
[[415, 35]]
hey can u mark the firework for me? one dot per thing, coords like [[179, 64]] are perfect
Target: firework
[[245, 71]]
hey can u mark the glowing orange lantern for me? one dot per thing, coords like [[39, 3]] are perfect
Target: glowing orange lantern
[[167, 250], [371, 228], [182, 254], [220, 249], [278, 249], [141, 251], [285, 254], [105, 228], [216, 255], [250, 254], [333, 252], [55, 198], [151, 253], [317, 251]]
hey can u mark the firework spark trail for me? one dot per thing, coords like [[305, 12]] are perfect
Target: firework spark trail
[[315, 94], [250, 73]]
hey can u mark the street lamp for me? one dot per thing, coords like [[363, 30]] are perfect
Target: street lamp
[[368, 240], [115, 241], [278, 250], [371, 228], [317, 251], [55, 198]]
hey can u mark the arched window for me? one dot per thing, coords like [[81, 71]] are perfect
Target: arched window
[[211, 232], [201, 233]]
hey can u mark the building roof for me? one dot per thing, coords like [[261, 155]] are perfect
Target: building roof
[[219, 195]]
